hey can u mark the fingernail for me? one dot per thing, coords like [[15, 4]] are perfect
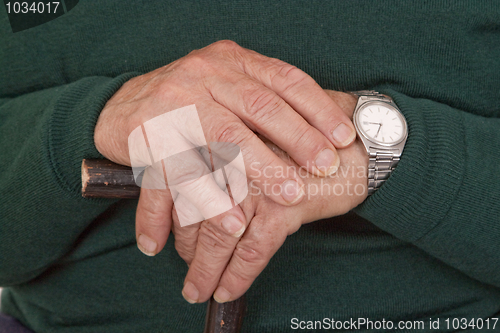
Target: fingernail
[[327, 162], [343, 134], [221, 295], [146, 245], [291, 191], [190, 293], [233, 226]]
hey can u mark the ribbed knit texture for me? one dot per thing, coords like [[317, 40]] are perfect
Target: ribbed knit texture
[[426, 245]]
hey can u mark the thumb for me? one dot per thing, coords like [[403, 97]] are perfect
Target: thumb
[[153, 220]]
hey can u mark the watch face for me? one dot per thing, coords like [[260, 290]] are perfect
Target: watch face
[[381, 123]]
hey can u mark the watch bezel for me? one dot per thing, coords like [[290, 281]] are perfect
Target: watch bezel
[[360, 130]]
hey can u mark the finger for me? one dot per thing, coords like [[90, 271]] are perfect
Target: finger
[[186, 237], [153, 220], [211, 260], [262, 167], [263, 238], [303, 94], [213, 251], [198, 199], [266, 112]]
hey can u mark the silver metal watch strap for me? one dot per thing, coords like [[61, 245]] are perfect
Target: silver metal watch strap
[[373, 94], [381, 162], [380, 166]]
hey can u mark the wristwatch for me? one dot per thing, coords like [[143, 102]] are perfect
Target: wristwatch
[[382, 129]]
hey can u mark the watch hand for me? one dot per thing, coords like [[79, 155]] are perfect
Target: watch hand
[[379, 127]]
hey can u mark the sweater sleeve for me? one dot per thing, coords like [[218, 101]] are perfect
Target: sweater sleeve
[[44, 136], [444, 195]]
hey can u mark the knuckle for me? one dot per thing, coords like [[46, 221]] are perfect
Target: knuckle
[[307, 140], [288, 70], [223, 53], [226, 45], [191, 59], [187, 170], [326, 109], [289, 77], [198, 61], [292, 73], [260, 104], [195, 64], [212, 241], [249, 264], [231, 131], [251, 254]]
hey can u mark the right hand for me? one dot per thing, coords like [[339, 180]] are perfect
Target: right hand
[[228, 265], [236, 91]]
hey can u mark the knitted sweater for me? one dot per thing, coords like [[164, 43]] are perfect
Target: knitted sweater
[[426, 245]]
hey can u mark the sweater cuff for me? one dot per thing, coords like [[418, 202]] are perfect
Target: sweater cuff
[[71, 126], [422, 188]]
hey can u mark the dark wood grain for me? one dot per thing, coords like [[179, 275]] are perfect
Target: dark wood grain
[[225, 317], [105, 179]]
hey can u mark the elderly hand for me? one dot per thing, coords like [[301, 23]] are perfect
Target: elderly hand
[[236, 91], [229, 265]]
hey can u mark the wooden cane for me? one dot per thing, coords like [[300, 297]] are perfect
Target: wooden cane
[[105, 179]]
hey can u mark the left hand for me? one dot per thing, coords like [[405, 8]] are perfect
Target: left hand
[[229, 265]]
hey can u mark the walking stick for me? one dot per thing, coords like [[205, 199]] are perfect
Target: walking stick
[[105, 179]]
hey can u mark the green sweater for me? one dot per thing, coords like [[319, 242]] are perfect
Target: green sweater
[[426, 245]]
